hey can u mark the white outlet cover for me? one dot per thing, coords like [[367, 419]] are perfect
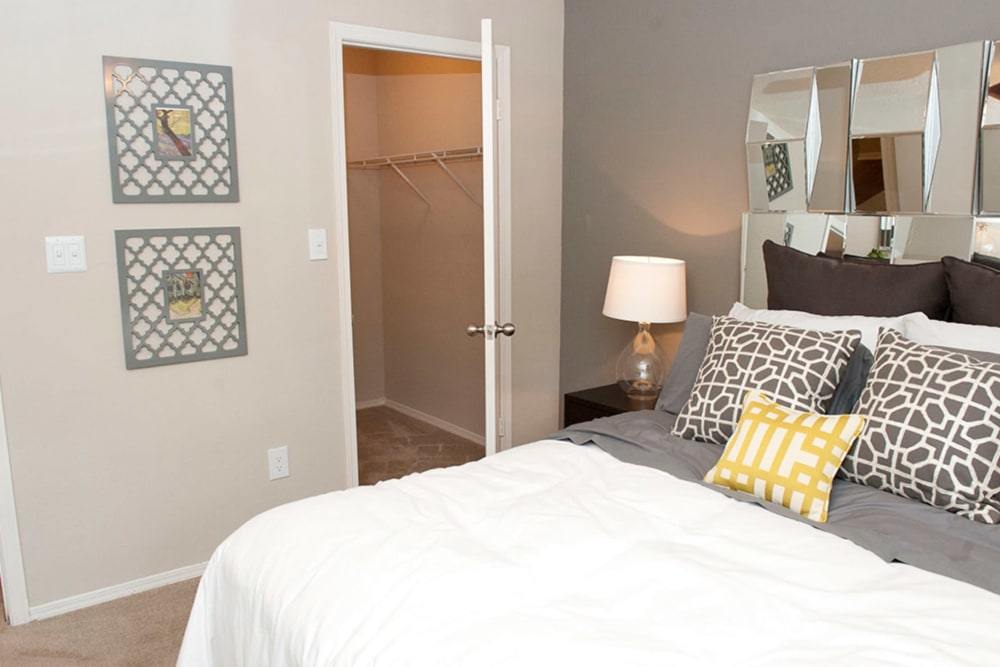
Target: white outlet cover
[[277, 462]]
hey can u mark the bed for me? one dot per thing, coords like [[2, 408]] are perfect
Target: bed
[[648, 539]]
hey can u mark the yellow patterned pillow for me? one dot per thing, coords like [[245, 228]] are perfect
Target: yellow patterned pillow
[[785, 456]]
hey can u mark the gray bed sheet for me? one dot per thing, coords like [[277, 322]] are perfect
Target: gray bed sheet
[[892, 527]]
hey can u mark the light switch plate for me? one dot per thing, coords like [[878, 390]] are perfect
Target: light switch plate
[[317, 244], [65, 254]]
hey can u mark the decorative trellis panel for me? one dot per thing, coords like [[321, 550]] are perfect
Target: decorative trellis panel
[[181, 295], [171, 131], [777, 170]]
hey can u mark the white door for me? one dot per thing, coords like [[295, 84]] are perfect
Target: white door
[[496, 208], [491, 329]]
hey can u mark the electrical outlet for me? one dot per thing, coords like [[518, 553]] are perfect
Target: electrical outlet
[[277, 462]]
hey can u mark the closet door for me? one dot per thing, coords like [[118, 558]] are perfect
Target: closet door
[[491, 329]]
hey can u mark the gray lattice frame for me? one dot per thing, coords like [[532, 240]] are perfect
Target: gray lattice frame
[[144, 256], [138, 174]]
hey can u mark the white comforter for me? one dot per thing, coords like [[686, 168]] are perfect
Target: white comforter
[[555, 554]]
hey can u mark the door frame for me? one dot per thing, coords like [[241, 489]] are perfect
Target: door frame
[[15, 590], [345, 34]]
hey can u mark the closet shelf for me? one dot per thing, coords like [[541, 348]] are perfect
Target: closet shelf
[[394, 162]]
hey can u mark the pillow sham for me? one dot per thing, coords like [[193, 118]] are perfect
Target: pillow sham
[[933, 431], [828, 286], [853, 380], [786, 456], [797, 367], [974, 291], [684, 368], [973, 337]]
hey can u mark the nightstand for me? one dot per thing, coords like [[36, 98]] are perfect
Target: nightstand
[[587, 404]]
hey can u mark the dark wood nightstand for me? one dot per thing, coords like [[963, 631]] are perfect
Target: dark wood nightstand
[[587, 404]]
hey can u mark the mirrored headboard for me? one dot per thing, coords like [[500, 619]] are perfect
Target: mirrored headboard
[[895, 157]]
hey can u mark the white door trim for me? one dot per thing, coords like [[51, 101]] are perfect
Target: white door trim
[[15, 590], [344, 34]]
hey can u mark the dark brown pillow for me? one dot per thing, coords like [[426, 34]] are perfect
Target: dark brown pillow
[[829, 286], [974, 290]]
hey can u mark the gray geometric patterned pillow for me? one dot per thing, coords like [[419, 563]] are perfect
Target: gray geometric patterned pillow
[[933, 431], [798, 368]]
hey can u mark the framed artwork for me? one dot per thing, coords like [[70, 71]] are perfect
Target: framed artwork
[[181, 295], [171, 131]]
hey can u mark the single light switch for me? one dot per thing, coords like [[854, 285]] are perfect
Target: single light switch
[[65, 254], [317, 244]]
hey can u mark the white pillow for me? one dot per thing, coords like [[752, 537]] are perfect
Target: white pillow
[[868, 326], [974, 337]]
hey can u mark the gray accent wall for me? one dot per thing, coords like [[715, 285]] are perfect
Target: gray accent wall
[[655, 99]]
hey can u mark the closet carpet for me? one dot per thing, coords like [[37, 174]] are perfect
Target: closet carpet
[[391, 444]]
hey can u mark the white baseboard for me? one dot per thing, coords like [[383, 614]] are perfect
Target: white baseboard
[[434, 421], [373, 403], [110, 593]]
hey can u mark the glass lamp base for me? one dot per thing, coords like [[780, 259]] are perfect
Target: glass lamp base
[[640, 370]]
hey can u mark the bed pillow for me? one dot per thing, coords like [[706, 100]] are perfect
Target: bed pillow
[[868, 326], [853, 382], [828, 286], [933, 430], [786, 456], [974, 291], [797, 367], [684, 368], [972, 337]]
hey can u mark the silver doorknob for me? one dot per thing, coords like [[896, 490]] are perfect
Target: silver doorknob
[[490, 330]]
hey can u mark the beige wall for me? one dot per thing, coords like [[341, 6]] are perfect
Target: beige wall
[[430, 255], [110, 485], [656, 101]]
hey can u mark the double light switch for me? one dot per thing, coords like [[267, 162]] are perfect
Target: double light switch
[[65, 254]]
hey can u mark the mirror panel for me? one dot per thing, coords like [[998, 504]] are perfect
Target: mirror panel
[[987, 238], [892, 94], [833, 91], [803, 231], [989, 149], [757, 228], [924, 238], [989, 146], [960, 94], [779, 105], [887, 173]]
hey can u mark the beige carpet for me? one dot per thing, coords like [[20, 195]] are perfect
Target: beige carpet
[[142, 630], [391, 444]]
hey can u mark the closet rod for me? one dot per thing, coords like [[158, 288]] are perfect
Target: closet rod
[[470, 153], [437, 157]]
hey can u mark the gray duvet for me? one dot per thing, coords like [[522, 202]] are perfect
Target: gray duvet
[[892, 527]]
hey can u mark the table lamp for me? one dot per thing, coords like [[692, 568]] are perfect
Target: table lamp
[[646, 290]]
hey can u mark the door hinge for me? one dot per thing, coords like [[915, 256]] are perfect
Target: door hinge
[[500, 432], [499, 110]]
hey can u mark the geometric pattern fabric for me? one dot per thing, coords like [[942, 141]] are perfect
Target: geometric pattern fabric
[[785, 456], [933, 428], [798, 368]]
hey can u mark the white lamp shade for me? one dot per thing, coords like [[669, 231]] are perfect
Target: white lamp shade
[[646, 289]]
